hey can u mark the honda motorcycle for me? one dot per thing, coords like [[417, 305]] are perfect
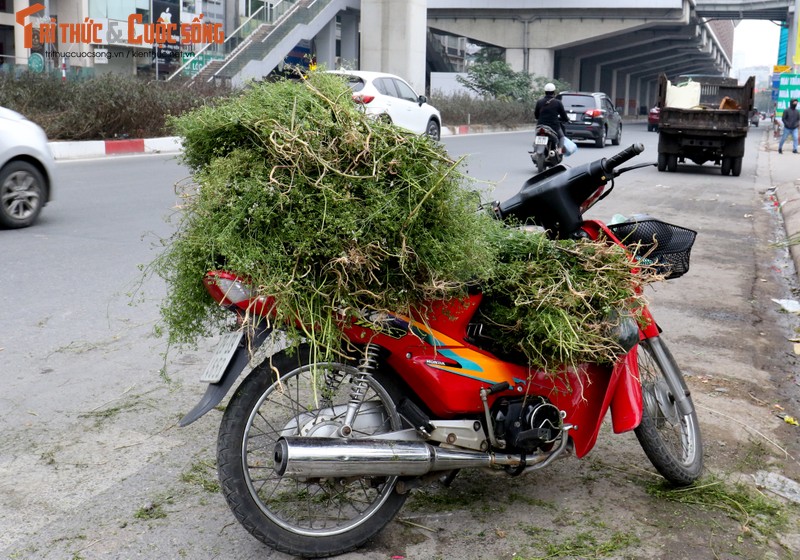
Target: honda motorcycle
[[315, 458], [546, 148]]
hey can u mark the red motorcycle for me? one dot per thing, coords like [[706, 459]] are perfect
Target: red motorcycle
[[316, 458]]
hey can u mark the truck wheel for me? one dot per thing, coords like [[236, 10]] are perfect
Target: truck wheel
[[726, 166], [662, 161], [672, 163], [736, 166]]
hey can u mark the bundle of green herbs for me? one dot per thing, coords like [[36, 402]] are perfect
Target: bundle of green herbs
[[561, 302], [333, 213]]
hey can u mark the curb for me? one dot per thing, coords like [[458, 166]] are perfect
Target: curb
[[172, 144], [482, 129], [99, 148]]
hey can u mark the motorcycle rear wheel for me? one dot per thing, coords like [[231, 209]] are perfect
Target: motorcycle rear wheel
[[289, 395], [670, 440], [538, 161]]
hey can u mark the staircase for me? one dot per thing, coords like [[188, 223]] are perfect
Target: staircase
[[262, 42]]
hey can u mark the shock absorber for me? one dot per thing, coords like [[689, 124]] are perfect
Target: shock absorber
[[359, 385]]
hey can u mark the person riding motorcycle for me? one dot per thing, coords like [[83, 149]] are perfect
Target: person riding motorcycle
[[550, 112]]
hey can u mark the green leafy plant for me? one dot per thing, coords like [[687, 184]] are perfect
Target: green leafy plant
[[330, 214], [109, 106], [320, 207], [495, 79], [553, 302]]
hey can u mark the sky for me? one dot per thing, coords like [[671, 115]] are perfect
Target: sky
[[755, 43]]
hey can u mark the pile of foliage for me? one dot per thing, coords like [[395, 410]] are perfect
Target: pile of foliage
[[109, 106], [333, 213]]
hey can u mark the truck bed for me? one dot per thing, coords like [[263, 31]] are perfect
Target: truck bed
[[714, 122]]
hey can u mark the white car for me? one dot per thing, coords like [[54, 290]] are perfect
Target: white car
[[27, 170], [390, 97]]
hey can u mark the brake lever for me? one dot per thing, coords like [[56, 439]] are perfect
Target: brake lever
[[622, 170], [619, 172]]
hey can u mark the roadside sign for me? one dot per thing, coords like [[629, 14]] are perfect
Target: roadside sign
[[778, 69], [36, 63], [788, 89]]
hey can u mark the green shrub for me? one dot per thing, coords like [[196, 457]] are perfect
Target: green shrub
[[462, 108], [109, 106]]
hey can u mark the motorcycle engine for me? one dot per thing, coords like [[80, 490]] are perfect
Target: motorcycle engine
[[527, 424]]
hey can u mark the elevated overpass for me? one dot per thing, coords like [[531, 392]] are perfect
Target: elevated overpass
[[619, 47]]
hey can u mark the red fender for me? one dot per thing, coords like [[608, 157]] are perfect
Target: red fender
[[626, 403]]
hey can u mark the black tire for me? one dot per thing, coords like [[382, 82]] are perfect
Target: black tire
[[736, 166], [618, 138], [671, 442], [601, 141], [313, 517], [538, 160], [662, 161], [433, 130], [22, 194], [672, 163], [725, 167]]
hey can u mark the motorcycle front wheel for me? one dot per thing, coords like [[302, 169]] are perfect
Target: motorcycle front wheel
[[289, 395], [670, 440]]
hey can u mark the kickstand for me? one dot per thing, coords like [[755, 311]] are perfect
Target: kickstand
[[448, 479]]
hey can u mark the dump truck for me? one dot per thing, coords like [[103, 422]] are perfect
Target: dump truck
[[703, 118]]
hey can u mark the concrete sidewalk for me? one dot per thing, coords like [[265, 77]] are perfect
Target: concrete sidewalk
[[783, 172]]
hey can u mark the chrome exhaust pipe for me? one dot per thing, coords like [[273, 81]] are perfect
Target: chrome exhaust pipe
[[314, 457]]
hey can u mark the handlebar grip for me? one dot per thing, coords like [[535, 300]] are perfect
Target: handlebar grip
[[618, 159]]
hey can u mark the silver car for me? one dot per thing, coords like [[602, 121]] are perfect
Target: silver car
[[27, 170]]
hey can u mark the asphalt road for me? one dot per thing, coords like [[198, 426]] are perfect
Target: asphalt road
[[93, 466]]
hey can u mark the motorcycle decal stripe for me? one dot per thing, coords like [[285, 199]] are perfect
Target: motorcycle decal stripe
[[465, 363], [461, 373]]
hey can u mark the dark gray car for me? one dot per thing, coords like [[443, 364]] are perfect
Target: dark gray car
[[592, 116]]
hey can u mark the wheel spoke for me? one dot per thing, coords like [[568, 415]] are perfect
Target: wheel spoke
[[670, 439], [297, 405]]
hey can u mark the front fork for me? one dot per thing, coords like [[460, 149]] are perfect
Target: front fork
[[674, 379]]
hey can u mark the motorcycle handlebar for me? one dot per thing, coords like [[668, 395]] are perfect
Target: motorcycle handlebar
[[556, 199], [618, 159]]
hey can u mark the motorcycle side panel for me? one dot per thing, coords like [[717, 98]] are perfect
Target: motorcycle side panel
[[447, 373]]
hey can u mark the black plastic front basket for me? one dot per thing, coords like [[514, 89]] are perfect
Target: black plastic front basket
[[658, 243]]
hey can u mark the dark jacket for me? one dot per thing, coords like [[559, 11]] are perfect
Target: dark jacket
[[550, 111], [790, 118]]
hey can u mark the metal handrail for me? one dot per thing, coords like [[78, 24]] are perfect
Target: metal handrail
[[228, 38], [293, 7]]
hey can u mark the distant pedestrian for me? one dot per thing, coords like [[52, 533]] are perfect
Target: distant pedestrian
[[791, 119]]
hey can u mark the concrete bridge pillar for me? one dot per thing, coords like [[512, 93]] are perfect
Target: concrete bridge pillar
[[541, 62], [393, 38], [325, 43], [349, 40]]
